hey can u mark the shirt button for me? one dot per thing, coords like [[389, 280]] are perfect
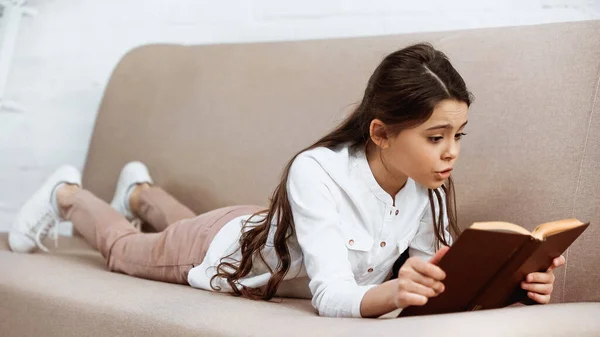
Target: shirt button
[[351, 242], [397, 211], [382, 244], [370, 270]]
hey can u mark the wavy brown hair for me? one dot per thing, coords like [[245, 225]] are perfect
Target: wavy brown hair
[[402, 92]]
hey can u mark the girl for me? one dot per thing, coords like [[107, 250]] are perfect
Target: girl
[[346, 208]]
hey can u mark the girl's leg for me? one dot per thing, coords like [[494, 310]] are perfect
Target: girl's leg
[[157, 208], [166, 256], [125, 249]]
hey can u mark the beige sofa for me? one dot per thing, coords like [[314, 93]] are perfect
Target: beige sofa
[[216, 124]]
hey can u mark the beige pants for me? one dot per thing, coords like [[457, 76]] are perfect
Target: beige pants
[[180, 242]]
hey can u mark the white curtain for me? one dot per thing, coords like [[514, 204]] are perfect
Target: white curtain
[[11, 13]]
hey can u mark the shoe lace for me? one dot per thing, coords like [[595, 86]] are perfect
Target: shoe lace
[[47, 224]]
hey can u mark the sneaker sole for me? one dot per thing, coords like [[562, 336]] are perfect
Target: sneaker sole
[[20, 243]]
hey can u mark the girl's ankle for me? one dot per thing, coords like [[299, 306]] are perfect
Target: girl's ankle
[[62, 193], [134, 197]]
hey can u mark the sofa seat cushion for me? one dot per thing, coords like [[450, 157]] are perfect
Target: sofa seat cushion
[[70, 293]]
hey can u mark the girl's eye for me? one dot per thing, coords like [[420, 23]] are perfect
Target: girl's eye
[[435, 139], [458, 136]]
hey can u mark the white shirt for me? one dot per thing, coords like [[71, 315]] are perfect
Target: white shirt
[[348, 233]]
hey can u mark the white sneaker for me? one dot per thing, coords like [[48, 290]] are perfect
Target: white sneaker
[[40, 214], [132, 174]]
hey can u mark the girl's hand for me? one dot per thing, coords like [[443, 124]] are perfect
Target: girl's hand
[[539, 285], [419, 280]]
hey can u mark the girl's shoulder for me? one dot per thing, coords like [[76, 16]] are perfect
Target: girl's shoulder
[[333, 161], [321, 153]]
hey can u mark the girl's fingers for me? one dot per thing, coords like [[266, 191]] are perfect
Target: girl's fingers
[[547, 277], [427, 269], [405, 299], [438, 256], [416, 288], [557, 262], [411, 274], [540, 288], [542, 299]]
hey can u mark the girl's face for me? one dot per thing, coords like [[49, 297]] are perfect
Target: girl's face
[[427, 153]]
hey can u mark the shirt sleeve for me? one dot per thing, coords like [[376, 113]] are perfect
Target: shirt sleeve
[[423, 244], [317, 222]]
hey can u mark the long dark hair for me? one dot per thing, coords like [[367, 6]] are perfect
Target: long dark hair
[[402, 92]]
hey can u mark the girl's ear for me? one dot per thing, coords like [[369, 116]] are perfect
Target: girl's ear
[[378, 133]]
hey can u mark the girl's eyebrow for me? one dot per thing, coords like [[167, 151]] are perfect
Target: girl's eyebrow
[[445, 126]]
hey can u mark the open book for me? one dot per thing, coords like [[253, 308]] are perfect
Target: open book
[[487, 263]]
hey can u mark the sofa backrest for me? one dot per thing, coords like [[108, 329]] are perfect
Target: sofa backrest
[[217, 123]]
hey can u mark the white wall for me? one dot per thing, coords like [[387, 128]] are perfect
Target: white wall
[[65, 55]]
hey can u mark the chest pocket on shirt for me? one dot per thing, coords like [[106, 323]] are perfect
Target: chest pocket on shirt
[[401, 246], [359, 247], [424, 243]]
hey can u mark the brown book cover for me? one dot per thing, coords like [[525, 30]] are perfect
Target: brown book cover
[[487, 263]]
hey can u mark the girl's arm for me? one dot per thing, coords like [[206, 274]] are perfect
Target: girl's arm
[[418, 280]]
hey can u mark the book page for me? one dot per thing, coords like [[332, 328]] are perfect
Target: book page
[[550, 228], [500, 226]]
